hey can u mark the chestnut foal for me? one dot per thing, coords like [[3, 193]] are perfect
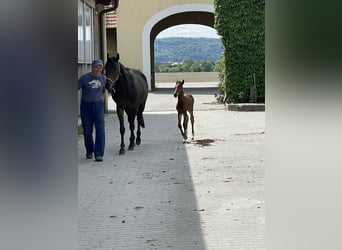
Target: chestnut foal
[[185, 104]]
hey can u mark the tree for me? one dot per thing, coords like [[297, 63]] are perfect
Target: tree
[[195, 68], [241, 23], [207, 66], [188, 62], [218, 66]]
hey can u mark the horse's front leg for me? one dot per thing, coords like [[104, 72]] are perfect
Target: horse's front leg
[[131, 118], [180, 123], [185, 125], [120, 114]]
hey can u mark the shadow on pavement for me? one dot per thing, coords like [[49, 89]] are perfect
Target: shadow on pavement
[[144, 199]]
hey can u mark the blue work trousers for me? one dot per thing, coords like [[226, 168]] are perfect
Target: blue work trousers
[[92, 113]]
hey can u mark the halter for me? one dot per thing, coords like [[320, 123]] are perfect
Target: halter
[[116, 78]]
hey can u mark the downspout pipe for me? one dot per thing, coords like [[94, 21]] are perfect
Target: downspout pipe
[[102, 13]]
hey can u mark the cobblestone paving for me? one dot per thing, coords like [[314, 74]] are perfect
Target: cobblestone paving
[[166, 194]]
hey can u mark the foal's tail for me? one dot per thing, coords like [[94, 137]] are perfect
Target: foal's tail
[[193, 102]]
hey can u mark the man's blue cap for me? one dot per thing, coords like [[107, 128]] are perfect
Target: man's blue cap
[[97, 62]]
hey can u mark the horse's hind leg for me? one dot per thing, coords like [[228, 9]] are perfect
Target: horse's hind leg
[[138, 140], [141, 122], [192, 119], [131, 119]]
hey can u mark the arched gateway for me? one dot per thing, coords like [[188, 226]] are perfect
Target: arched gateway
[[139, 22]]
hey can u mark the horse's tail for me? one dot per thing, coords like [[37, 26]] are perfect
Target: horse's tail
[[140, 119], [140, 116]]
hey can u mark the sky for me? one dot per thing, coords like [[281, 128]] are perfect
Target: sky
[[188, 30]]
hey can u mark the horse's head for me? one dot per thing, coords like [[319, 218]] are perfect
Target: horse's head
[[112, 69], [178, 88]]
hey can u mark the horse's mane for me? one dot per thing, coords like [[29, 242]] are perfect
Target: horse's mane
[[127, 82]]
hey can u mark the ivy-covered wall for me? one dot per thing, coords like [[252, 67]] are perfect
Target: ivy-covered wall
[[241, 23]]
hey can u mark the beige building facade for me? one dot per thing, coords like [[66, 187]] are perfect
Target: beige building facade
[[139, 22]]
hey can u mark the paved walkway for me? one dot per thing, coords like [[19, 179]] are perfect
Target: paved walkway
[[166, 194]]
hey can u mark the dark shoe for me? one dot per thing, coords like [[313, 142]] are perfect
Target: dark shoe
[[89, 156], [98, 158]]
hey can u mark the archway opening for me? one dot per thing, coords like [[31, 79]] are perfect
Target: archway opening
[[190, 17], [187, 51], [189, 30]]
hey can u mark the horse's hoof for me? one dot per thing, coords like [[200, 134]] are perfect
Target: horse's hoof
[[122, 152], [138, 142], [131, 147]]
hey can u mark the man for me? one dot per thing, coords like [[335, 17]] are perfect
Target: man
[[92, 110]]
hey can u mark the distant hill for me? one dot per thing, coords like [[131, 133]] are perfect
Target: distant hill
[[178, 49]]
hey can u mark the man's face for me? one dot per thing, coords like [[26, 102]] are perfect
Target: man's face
[[97, 70]]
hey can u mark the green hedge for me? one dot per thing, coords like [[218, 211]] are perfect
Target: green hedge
[[241, 23]]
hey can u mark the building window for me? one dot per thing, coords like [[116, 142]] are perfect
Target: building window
[[85, 33]]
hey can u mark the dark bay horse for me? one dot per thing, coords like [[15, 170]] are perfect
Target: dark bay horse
[[185, 104], [129, 90]]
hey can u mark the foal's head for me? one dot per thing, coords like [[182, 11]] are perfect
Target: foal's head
[[112, 69], [178, 88]]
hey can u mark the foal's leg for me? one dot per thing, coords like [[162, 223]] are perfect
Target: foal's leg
[[180, 123], [192, 123], [131, 118], [120, 114], [185, 125]]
